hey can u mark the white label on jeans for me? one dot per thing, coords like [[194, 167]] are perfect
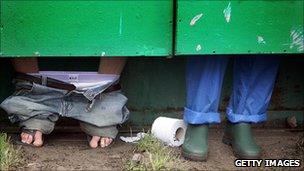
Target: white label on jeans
[[73, 77]]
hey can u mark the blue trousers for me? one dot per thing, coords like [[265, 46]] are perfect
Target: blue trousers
[[253, 82]]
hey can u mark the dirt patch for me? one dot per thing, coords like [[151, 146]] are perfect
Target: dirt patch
[[71, 152], [276, 144]]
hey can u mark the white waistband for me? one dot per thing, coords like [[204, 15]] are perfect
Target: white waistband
[[82, 80]]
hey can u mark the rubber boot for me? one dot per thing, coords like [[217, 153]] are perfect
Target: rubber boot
[[195, 146], [240, 138]]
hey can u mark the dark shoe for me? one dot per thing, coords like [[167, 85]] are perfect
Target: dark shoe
[[195, 146], [240, 138]]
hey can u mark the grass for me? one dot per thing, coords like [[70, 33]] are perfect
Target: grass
[[156, 156], [9, 156]]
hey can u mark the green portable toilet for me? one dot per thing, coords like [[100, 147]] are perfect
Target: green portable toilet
[[159, 28]]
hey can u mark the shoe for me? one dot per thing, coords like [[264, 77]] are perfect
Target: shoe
[[240, 138], [195, 146]]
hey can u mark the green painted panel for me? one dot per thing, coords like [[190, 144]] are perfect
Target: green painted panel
[[86, 28], [239, 27]]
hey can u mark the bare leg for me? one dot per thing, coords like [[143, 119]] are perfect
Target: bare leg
[[28, 65], [111, 65], [108, 66]]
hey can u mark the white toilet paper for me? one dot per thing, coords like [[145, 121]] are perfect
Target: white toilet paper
[[169, 130]]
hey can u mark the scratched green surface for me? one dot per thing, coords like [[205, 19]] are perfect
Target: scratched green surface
[[255, 26], [86, 28]]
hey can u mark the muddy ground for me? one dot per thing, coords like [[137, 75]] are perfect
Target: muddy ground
[[69, 151]]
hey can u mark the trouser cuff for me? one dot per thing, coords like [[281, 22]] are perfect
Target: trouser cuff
[[236, 118], [193, 117], [45, 126], [106, 131]]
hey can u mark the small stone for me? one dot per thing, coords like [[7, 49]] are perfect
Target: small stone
[[61, 168], [137, 158], [292, 121], [115, 156], [34, 166]]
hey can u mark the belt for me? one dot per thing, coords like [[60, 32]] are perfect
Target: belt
[[53, 83]]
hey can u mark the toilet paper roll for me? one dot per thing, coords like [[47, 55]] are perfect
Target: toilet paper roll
[[169, 130]]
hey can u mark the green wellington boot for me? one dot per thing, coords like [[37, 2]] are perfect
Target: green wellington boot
[[240, 138], [195, 146]]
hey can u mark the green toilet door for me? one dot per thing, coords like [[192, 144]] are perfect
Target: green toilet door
[[86, 28], [239, 27]]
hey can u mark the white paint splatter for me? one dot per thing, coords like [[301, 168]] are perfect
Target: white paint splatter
[[261, 40], [227, 12], [37, 53], [297, 40], [195, 19], [198, 47], [103, 54], [120, 24]]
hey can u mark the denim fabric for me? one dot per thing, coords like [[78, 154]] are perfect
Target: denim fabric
[[38, 107], [253, 81], [204, 79], [108, 131]]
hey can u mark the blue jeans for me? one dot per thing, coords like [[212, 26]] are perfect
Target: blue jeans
[[37, 107], [253, 82]]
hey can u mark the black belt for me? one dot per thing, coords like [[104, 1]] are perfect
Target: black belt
[[53, 83]]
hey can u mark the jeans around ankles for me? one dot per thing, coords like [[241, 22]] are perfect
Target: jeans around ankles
[[37, 107]]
